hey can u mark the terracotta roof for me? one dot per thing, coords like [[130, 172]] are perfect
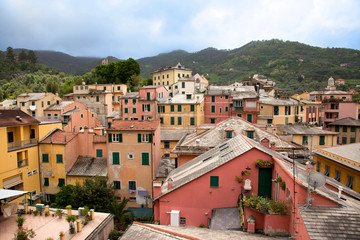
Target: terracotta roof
[[89, 166], [134, 125], [58, 136], [349, 121], [15, 117]]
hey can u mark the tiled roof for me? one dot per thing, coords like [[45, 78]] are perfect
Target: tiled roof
[[32, 96], [303, 130], [216, 135], [166, 165], [135, 125], [151, 86], [237, 92], [177, 67], [348, 151], [349, 121], [88, 166], [181, 99], [15, 117], [173, 135], [329, 92], [266, 99], [58, 136], [8, 102], [331, 222], [130, 95], [71, 112], [59, 106]]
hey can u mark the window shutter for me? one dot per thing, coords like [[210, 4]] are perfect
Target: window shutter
[[139, 137], [150, 137], [120, 137], [116, 158], [110, 137]]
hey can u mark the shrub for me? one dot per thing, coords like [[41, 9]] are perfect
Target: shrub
[[278, 207], [282, 185], [115, 234], [85, 211], [262, 163], [24, 234], [20, 221]]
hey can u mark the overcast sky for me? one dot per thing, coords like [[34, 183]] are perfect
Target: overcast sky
[[142, 28]]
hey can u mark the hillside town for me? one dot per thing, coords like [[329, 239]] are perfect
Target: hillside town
[[189, 156]]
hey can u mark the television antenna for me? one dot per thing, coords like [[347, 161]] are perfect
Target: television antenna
[[317, 180]]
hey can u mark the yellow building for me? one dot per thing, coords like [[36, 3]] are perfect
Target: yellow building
[[19, 163], [169, 139], [341, 163], [312, 113], [134, 156], [280, 111], [183, 111], [167, 76], [35, 103]]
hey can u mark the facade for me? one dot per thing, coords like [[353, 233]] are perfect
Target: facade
[[194, 84], [169, 139], [133, 158], [340, 163], [183, 111], [19, 163], [8, 104], [34, 104], [167, 76], [348, 129]]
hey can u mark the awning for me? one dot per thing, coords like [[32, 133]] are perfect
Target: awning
[[142, 192], [12, 182], [7, 193]]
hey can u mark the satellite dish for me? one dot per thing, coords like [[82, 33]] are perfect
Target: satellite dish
[[317, 180]]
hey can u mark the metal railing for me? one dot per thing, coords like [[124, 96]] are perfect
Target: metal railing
[[99, 139], [22, 162], [21, 144]]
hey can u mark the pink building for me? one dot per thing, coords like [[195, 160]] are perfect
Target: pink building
[[143, 104], [225, 101], [212, 178]]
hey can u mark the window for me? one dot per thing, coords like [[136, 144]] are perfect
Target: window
[[192, 108], [61, 182], [115, 137], [249, 117], [322, 140], [161, 109], [183, 221], [144, 158], [228, 134], [220, 110], [99, 153], [161, 120], [45, 157], [226, 109], [126, 110], [212, 120], [183, 84], [344, 140], [97, 98], [250, 134], [59, 158], [144, 137], [352, 129], [276, 110], [166, 144], [337, 175], [116, 158], [46, 182], [214, 181], [117, 184], [172, 108], [126, 101], [146, 107], [336, 128], [352, 140], [188, 96], [48, 102], [287, 110], [344, 129], [130, 155], [192, 121], [239, 115], [49, 116], [82, 115], [104, 88], [172, 120], [318, 164], [305, 140], [147, 96], [327, 170], [10, 137], [179, 108], [213, 108], [212, 98], [132, 185], [179, 120], [269, 121], [349, 181], [118, 88]]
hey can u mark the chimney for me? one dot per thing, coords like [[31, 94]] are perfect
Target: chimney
[[157, 188], [265, 142], [170, 183], [197, 99], [272, 146], [340, 190]]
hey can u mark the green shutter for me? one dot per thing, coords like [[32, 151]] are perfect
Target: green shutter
[[98, 152], [213, 109], [214, 181], [172, 108], [161, 120], [192, 108], [172, 120], [126, 101], [179, 120], [61, 182], [139, 137], [322, 140], [179, 108], [45, 157], [120, 137], [134, 101], [46, 181], [134, 110], [126, 110], [150, 137], [59, 158], [145, 158], [192, 121], [110, 137], [116, 158]]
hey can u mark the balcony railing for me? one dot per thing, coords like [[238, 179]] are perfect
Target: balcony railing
[[99, 139], [22, 163], [22, 144]]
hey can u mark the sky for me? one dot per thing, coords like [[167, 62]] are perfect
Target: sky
[[144, 28]]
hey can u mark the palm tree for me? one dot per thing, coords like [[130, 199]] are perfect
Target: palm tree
[[122, 217]]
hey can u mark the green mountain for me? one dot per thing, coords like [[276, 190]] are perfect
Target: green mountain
[[293, 66]]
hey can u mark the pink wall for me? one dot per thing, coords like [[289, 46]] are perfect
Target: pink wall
[[182, 159], [71, 152], [89, 119], [220, 102], [207, 198], [348, 109], [87, 147]]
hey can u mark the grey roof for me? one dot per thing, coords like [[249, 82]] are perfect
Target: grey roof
[[166, 165], [131, 95], [8, 102], [177, 67], [329, 92], [59, 106], [70, 112], [181, 99], [349, 121], [89, 167], [32, 96], [161, 232], [349, 151], [331, 222], [216, 135], [114, 114], [173, 135], [303, 130], [269, 100], [152, 86], [237, 92]]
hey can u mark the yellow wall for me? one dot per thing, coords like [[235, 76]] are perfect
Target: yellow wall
[[185, 114], [345, 171], [73, 180], [168, 150], [173, 76], [52, 170], [330, 140], [45, 128], [40, 104], [266, 109]]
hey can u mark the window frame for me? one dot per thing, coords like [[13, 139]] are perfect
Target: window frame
[[214, 181]]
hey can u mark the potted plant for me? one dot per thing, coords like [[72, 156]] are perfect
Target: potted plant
[[47, 213], [20, 221], [59, 213], [35, 212], [262, 163], [24, 234], [71, 219]]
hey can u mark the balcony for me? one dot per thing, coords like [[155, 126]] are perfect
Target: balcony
[[22, 144], [99, 139], [22, 163]]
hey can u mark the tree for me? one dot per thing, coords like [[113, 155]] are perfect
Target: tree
[[23, 56], [10, 56], [122, 217], [32, 57], [52, 86]]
